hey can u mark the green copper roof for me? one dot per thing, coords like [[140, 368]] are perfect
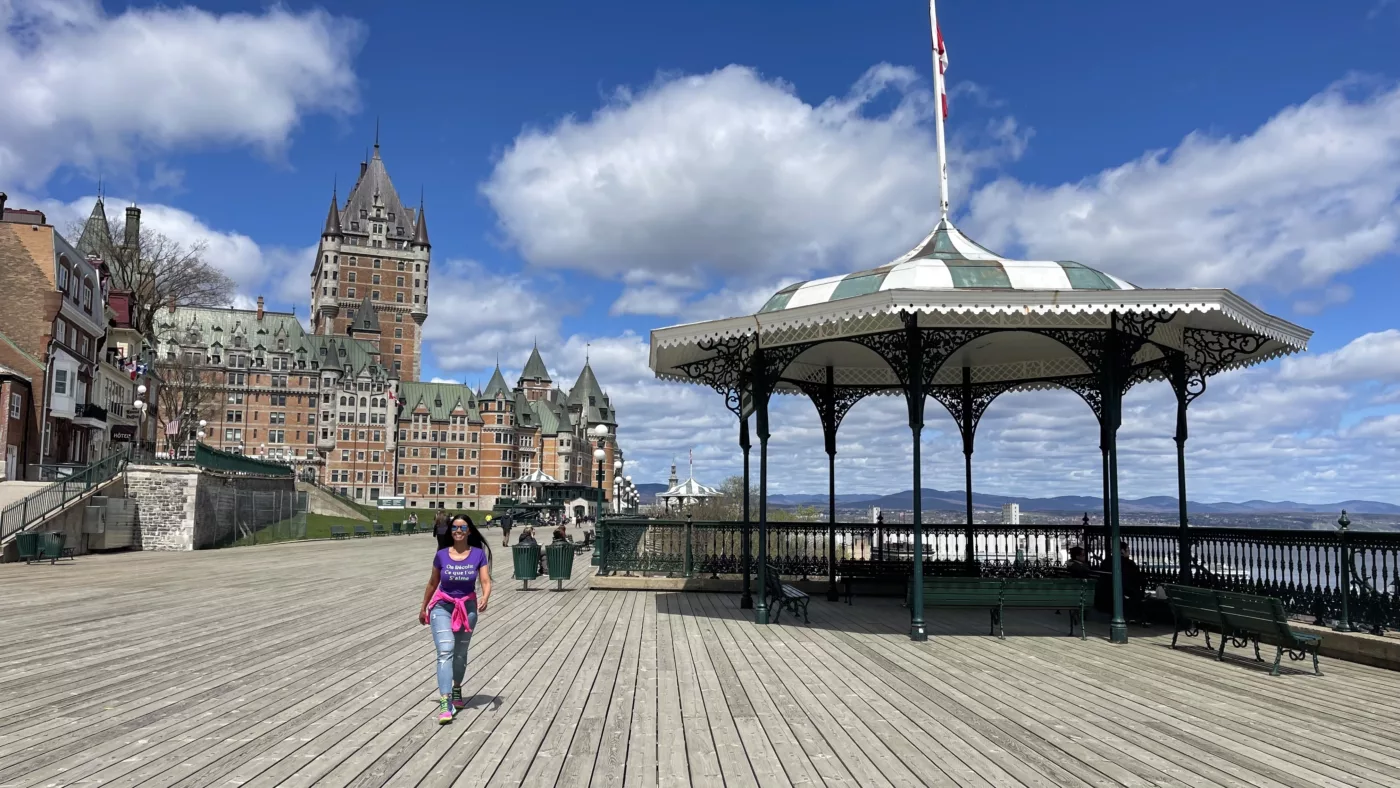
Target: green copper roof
[[534, 367], [496, 386], [441, 399]]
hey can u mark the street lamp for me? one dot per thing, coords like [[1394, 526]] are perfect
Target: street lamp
[[600, 431]]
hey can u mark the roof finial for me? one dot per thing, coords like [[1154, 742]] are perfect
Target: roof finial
[[376, 133], [587, 348], [99, 188]]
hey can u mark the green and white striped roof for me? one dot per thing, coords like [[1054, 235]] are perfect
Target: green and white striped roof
[[947, 260]]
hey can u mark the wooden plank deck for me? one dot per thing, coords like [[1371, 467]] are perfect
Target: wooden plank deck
[[304, 664]]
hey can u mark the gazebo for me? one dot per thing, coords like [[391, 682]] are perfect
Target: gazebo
[[953, 321]]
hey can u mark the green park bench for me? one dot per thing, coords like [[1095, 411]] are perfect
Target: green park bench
[[783, 596], [1239, 619], [851, 571], [338, 532], [380, 530], [361, 530], [996, 595]]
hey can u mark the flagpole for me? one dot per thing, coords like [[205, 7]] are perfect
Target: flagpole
[[940, 101]]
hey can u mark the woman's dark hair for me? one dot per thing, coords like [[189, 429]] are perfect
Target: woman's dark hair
[[474, 537]]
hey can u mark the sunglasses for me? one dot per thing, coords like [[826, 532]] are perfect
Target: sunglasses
[[459, 527]]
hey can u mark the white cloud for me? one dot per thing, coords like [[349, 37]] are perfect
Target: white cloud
[[1312, 193], [277, 273], [477, 316], [1369, 357], [86, 88], [730, 175]]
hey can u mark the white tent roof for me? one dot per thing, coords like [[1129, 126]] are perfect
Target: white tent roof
[[537, 477], [690, 489]]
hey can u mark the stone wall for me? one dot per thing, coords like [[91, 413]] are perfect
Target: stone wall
[[165, 501]]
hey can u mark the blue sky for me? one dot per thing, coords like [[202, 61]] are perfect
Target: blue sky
[[593, 171]]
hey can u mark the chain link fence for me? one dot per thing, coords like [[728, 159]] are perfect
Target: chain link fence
[[234, 516]]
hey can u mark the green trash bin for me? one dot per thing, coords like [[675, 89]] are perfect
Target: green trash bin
[[527, 563], [560, 557]]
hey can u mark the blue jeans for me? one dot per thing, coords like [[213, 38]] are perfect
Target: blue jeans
[[451, 646]]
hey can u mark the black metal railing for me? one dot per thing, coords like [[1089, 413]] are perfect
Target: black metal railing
[[35, 506], [1303, 568]]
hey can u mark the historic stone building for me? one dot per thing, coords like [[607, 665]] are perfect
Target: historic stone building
[[343, 399], [374, 251]]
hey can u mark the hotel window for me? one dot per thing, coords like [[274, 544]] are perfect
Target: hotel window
[[60, 381], [375, 279], [16, 403], [350, 276]]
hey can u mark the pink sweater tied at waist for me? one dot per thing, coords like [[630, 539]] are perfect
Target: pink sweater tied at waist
[[460, 622]]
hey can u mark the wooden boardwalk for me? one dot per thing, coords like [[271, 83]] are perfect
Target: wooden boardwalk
[[304, 664]]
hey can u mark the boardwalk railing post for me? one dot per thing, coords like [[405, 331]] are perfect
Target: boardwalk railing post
[[689, 551], [1344, 574]]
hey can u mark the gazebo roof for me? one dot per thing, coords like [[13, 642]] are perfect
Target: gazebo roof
[[1016, 324], [690, 489], [947, 260]]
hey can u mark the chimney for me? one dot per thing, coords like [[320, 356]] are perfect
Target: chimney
[[170, 303], [260, 308], [364, 165], [132, 241]]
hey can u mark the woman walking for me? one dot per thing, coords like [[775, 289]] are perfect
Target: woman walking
[[442, 529], [450, 606]]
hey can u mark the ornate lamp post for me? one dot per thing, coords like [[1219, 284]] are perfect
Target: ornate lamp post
[[599, 455]]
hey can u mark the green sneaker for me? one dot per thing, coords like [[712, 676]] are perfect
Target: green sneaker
[[444, 710], [457, 701]]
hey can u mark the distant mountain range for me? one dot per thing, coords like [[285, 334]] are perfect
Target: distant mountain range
[[955, 501]]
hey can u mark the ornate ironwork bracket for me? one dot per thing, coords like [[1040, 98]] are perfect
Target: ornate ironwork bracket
[[833, 403], [967, 410], [727, 371], [1209, 352]]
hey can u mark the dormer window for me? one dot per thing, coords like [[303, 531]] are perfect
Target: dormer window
[[355, 225], [364, 214], [391, 216]]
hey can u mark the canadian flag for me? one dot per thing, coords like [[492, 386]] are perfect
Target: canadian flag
[[940, 53]]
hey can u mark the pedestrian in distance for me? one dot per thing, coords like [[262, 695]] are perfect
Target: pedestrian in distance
[[505, 530], [442, 529], [451, 605]]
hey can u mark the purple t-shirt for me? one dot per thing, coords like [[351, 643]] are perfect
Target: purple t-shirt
[[458, 578]]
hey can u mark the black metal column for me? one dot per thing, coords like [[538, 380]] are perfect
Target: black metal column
[[829, 423], [915, 395], [745, 556], [1183, 537], [968, 436], [1112, 418], [760, 401]]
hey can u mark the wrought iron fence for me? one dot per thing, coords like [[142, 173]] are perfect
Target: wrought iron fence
[[20, 514], [1302, 568]]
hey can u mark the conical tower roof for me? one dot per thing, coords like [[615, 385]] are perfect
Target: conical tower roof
[[534, 367], [420, 230], [97, 233], [496, 386], [366, 318], [589, 397], [374, 185], [333, 219]]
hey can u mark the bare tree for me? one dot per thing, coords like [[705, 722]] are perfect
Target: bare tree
[[165, 272], [184, 397]]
